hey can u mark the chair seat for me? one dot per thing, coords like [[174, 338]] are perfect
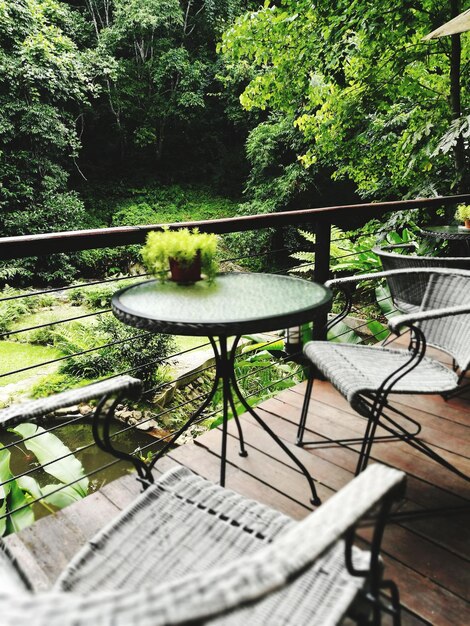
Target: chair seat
[[184, 524], [357, 369]]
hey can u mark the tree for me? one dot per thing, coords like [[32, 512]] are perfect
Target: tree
[[370, 97], [45, 84], [166, 64]]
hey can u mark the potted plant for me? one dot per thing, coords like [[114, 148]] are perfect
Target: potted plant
[[463, 214], [181, 255]]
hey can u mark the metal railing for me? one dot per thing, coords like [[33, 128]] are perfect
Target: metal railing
[[319, 220]]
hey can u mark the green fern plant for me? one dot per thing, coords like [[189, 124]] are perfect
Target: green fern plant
[[463, 212], [182, 245], [345, 254]]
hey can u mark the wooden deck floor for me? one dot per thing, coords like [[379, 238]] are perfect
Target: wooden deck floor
[[426, 556]]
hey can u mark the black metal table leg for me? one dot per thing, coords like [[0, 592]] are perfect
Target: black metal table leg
[[233, 386]]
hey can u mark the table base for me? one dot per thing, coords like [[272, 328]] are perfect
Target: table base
[[225, 374]]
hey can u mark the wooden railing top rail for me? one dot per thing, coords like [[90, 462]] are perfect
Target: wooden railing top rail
[[69, 241]]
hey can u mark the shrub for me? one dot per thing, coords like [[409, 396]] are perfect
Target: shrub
[[12, 310], [55, 383], [130, 353]]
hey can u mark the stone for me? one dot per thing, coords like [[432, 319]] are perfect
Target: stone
[[70, 410]]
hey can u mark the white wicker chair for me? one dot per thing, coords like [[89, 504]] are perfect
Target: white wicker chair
[[190, 552], [367, 375]]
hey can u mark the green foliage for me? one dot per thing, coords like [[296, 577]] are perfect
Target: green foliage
[[463, 212], [181, 245], [12, 309], [261, 373], [16, 493], [55, 383], [160, 204], [370, 97], [96, 297], [128, 352], [45, 83], [345, 255], [164, 53]]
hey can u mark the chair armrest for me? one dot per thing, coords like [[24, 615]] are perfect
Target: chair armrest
[[28, 411], [195, 597], [396, 323], [350, 280]]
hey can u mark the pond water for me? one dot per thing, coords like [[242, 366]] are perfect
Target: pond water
[[76, 436]]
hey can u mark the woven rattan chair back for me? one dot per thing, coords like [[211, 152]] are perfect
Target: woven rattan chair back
[[408, 290], [421, 292], [448, 333]]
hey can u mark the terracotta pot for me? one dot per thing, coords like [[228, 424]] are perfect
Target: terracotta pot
[[186, 274], [467, 223]]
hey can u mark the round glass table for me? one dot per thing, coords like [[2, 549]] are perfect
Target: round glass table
[[233, 304], [458, 237], [446, 232]]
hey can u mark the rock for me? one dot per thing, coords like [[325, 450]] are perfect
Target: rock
[[159, 433], [125, 416], [85, 409], [148, 425], [70, 410]]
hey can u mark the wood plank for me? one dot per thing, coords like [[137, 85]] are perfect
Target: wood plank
[[425, 556], [454, 410], [452, 533], [334, 423], [433, 425], [203, 462], [428, 600]]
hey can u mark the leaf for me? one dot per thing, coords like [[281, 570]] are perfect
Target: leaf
[[385, 302], [341, 333], [17, 520], [5, 472], [30, 485], [3, 519], [379, 331], [67, 495], [48, 447]]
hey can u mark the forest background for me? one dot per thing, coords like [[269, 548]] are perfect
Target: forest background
[[120, 112]]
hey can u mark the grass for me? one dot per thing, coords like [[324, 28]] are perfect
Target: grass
[[186, 343], [14, 355], [45, 316]]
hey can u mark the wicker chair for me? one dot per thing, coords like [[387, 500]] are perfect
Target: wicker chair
[[191, 552], [406, 295], [367, 375]]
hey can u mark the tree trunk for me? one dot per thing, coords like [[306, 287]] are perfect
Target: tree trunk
[[455, 99]]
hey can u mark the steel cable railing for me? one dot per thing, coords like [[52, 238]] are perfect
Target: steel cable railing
[[85, 317]]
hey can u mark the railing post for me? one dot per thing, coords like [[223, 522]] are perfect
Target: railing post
[[322, 269]]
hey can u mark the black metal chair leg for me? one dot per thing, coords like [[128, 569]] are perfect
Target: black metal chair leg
[[305, 406], [371, 428]]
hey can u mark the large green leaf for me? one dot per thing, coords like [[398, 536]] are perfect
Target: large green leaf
[[3, 519], [48, 447], [5, 472], [29, 485], [379, 331], [385, 302], [67, 495], [341, 333], [17, 520]]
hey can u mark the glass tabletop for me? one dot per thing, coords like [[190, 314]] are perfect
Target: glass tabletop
[[446, 232], [234, 303]]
